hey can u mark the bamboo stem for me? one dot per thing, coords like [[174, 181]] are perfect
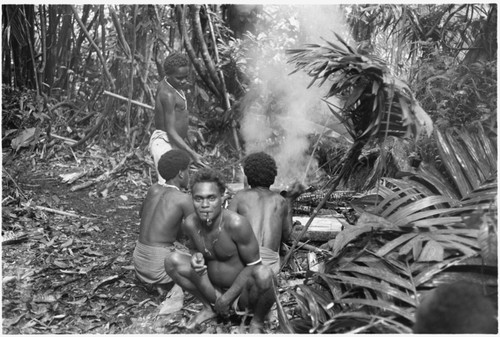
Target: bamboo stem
[[92, 43], [105, 92], [191, 53], [56, 211], [224, 88], [209, 64]]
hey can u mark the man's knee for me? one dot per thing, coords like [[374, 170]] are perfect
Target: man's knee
[[173, 262], [263, 276]]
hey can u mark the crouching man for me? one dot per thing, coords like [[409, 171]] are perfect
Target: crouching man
[[163, 210], [225, 270]]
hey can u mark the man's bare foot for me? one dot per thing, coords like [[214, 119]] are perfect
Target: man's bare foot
[[256, 327], [201, 317]]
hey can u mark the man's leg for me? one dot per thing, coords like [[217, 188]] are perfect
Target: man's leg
[[258, 296], [178, 266]]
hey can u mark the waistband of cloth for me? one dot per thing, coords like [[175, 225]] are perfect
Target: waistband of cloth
[[165, 245], [268, 253], [159, 134]]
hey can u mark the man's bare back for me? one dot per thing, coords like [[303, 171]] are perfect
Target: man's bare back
[[268, 214], [162, 214]]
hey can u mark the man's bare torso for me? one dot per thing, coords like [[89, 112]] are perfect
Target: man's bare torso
[[164, 93], [218, 249]]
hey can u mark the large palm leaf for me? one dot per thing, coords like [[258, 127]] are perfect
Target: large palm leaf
[[375, 103], [410, 233]]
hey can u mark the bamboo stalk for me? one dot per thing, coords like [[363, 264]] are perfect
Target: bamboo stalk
[[191, 53], [56, 211], [209, 64], [105, 92], [92, 43], [67, 140], [224, 88]]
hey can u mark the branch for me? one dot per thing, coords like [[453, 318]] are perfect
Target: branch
[[209, 64], [191, 53], [92, 43], [227, 102], [105, 175], [128, 100], [56, 211]]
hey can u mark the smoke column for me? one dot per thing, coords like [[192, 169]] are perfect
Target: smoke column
[[280, 112]]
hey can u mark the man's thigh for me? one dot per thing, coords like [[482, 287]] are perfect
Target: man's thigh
[[158, 148]]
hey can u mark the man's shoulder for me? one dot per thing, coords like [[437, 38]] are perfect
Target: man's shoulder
[[168, 193], [191, 220], [163, 92], [234, 219]]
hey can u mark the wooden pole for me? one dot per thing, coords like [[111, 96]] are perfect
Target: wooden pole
[[128, 100]]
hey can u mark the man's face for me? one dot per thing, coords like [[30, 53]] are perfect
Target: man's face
[[179, 79], [207, 201]]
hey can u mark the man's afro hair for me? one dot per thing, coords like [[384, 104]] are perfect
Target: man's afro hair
[[260, 169], [207, 175], [175, 61], [172, 162]]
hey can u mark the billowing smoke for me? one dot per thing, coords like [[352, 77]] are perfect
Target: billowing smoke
[[280, 114]]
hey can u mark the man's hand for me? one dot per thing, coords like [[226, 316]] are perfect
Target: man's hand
[[198, 263], [222, 306], [199, 161], [295, 190]]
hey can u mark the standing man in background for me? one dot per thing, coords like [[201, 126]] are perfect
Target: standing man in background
[[171, 113]]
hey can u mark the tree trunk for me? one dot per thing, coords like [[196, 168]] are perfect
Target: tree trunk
[[50, 64], [64, 48]]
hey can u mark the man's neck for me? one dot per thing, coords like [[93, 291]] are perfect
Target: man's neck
[[172, 184]]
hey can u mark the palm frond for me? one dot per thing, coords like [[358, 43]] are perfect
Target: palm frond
[[376, 104]]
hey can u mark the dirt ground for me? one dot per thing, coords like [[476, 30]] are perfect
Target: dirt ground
[[71, 271]]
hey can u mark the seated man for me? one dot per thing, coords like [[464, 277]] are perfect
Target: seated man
[[161, 216], [269, 213], [226, 268]]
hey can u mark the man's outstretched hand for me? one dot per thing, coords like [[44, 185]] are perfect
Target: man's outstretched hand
[[198, 161], [295, 190]]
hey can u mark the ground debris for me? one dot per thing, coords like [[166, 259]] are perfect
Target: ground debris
[[67, 274]]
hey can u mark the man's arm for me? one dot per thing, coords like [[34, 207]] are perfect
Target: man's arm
[[167, 108], [248, 249], [167, 102], [187, 205], [286, 227]]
